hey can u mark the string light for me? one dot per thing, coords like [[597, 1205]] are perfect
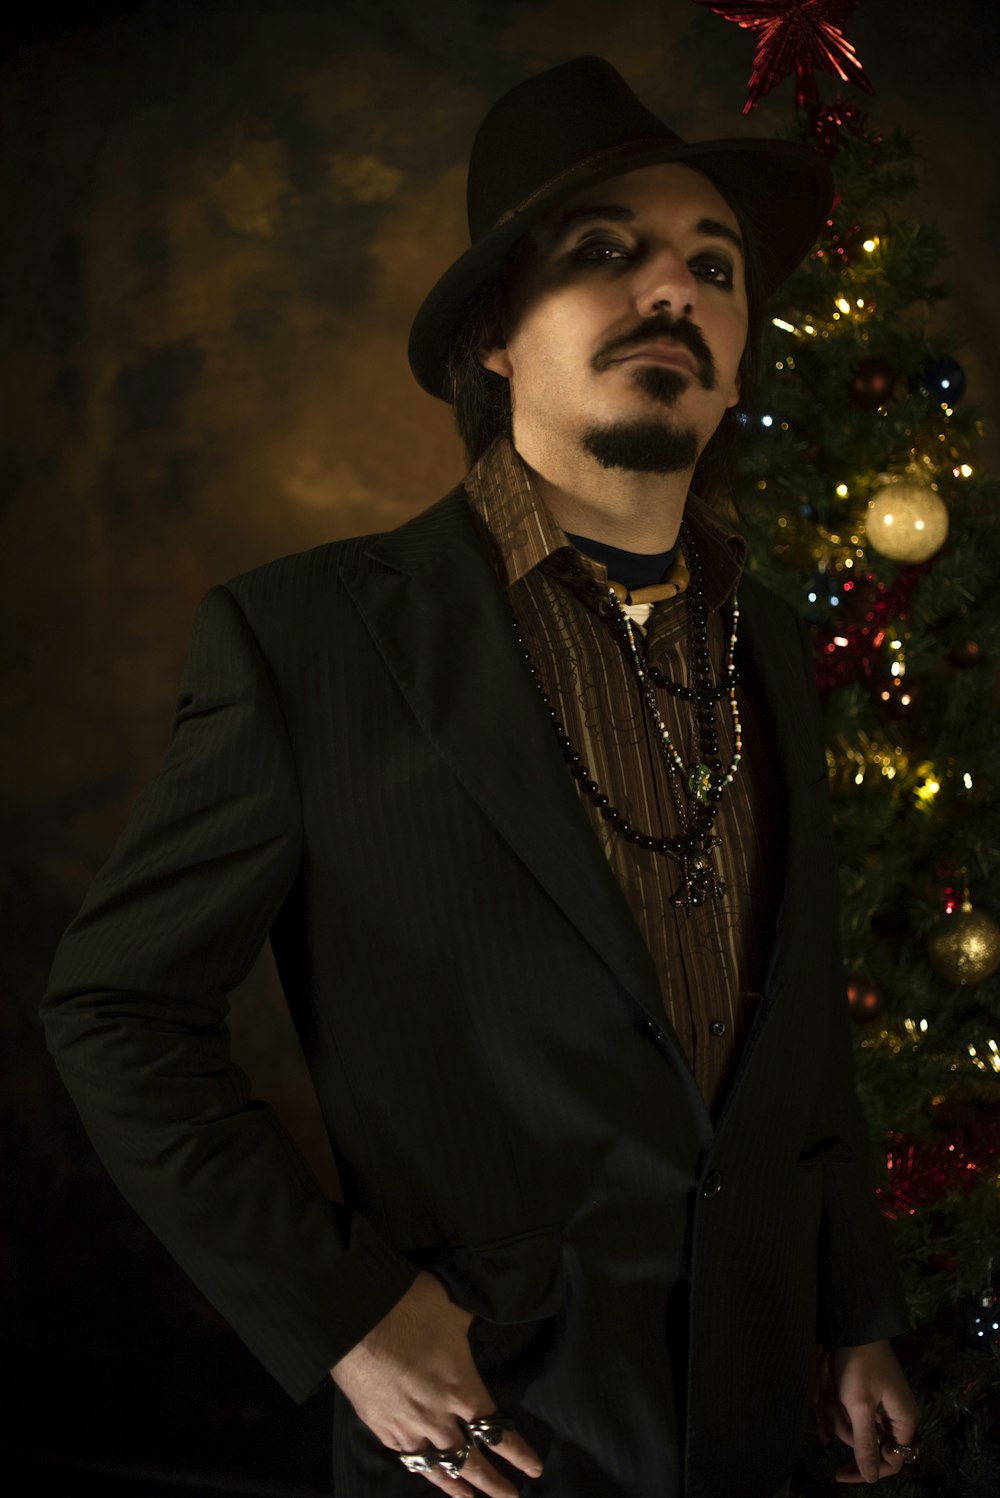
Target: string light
[[926, 792], [842, 490], [870, 245]]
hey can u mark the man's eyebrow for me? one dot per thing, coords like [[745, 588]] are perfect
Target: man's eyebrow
[[615, 211], [720, 231]]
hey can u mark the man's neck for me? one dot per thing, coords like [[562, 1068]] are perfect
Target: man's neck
[[638, 512]]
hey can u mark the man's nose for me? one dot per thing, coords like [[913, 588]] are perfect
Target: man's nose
[[668, 285]]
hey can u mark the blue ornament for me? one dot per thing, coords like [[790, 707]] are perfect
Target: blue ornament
[[944, 379], [981, 1316], [823, 596]]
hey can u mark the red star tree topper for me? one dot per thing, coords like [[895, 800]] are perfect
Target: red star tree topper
[[797, 35]]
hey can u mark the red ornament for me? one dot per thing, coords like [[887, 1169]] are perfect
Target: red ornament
[[865, 1000], [795, 34], [849, 650], [872, 384], [921, 1172], [830, 123]]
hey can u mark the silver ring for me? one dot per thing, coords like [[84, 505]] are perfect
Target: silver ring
[[451, 1462], [416, 1461], [488, 1430]]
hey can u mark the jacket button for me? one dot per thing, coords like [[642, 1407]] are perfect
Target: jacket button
[[718, 1027], [712, 1184], [652, 1029]]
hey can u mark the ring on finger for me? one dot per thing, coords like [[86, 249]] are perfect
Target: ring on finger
[[488, 1430], [418, 1461], [451, 1462]]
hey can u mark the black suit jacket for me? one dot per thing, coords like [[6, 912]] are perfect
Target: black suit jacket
[[361, 768]]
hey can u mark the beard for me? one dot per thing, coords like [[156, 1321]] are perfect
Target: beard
[[643, 445], [647, 444]]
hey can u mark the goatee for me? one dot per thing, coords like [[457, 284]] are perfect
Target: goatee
[[643, 445]]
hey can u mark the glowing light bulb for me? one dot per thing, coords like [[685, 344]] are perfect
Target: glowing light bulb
[[843, 304], [842, 490], [870, 245]]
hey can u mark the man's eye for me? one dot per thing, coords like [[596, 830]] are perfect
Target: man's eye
[[716, 271], [600, 252]]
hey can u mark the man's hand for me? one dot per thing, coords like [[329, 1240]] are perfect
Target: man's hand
[[863, 1397], [413, 1374]]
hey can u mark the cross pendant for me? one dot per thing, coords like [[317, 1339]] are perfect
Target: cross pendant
[[700, 881]]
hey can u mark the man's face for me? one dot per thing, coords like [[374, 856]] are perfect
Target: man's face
[[627, 318]]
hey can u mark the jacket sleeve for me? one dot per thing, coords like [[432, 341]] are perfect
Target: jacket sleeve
[[135, 1016], [860, 1296]]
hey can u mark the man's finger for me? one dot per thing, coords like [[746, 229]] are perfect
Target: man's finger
[[866, 1445], [515, 1449]]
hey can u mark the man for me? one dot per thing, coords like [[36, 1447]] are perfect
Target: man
[[535, 814]]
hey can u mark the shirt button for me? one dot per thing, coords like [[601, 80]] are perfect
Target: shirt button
[[718, 1027], [652, 1029], [712, 1184]]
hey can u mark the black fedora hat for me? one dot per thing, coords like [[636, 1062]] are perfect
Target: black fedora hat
[[580, 123]]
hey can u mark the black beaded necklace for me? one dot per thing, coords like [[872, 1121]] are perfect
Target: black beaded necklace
[[697, 788]]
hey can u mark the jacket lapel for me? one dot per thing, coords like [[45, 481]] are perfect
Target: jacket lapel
[[777, 665], [440, 619]]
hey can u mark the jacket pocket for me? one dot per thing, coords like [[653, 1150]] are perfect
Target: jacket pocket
[[507, 1280], [830, 1150]]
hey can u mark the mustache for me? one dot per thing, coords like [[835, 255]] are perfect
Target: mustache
[[661, 329]]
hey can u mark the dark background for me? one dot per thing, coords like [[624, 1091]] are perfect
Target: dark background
[[218, 222]]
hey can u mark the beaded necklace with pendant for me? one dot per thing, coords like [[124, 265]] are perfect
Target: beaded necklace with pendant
[[697, 788]]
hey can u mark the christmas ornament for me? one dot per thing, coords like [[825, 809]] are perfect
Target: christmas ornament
[[830, 123], [907, 522], [922, 1171], [965, 947], [848, 651], [944, 379], [822, 594], [873, 384], [795, 34], [966, 654], [981, 1319], [841, 241], [865, 1000], [942, 1263]]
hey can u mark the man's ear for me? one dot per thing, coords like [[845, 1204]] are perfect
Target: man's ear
[[734, 398], [496, 359]]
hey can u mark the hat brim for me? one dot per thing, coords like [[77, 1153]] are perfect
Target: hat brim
[[784, 188]]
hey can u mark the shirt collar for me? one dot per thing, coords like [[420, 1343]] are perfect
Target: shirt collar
[[523, 535]]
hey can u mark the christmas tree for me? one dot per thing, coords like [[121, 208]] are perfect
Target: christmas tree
[[868, 508]]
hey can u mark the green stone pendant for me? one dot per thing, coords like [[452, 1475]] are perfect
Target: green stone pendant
[[699, 783]]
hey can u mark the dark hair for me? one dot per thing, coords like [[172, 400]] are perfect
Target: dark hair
[[481, 399]]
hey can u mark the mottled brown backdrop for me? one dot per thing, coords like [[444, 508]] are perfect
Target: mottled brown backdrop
[[218, 221]]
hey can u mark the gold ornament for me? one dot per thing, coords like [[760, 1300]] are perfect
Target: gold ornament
[[907, 522], [965, 948]]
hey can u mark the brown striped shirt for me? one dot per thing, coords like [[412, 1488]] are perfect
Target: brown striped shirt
[[710, 959]]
